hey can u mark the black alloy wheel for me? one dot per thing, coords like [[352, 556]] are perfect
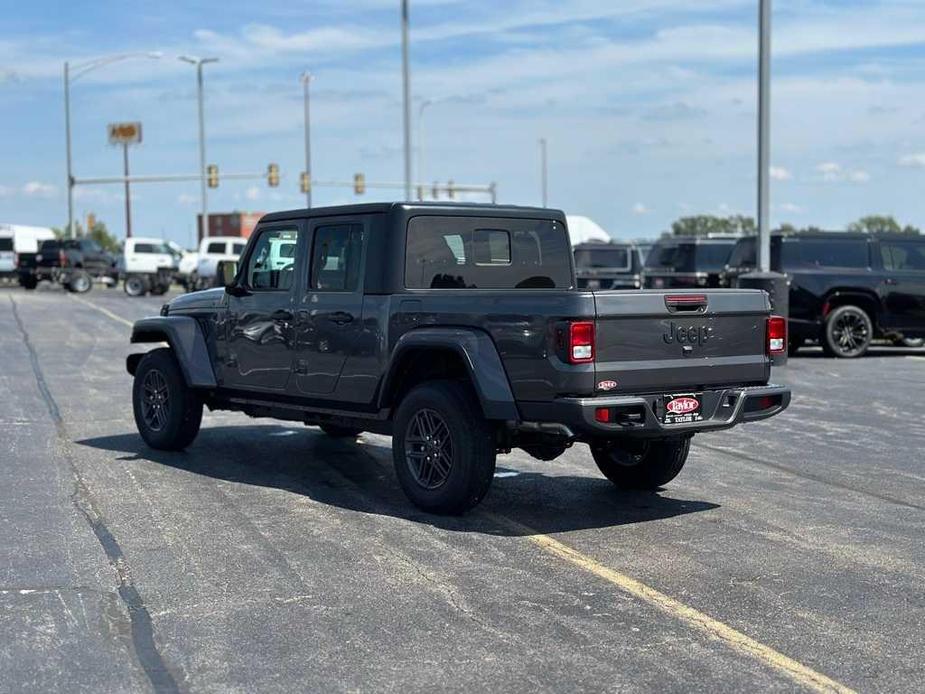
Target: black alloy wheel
[[848, 332], [155, 403], [428, 449]]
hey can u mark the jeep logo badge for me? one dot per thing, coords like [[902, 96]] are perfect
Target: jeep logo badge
[[690, 335]]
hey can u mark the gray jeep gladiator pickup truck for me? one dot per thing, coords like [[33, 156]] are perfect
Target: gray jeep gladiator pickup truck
[[456, 329]]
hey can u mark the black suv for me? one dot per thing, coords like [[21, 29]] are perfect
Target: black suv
[[612, 265], [687, 261], [458, 330], [846, 289]]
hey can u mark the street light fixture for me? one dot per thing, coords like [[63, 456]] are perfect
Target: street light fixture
[[71, 73], [306, 78], [199, 62]]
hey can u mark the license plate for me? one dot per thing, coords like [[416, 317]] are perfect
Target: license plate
[[682, 409]]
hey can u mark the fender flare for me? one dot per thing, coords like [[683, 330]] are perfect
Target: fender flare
[[185, 338], [480, 357]]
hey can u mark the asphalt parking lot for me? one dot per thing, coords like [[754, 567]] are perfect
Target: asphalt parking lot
[[787, 555]]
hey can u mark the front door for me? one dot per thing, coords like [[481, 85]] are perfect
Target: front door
[[904, 283], [330, 307], [259, 329]]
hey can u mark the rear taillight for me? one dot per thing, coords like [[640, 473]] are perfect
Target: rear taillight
[[62, 258], [777, 335], [581, 342]]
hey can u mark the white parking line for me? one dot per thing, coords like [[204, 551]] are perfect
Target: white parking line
[[105, 311]]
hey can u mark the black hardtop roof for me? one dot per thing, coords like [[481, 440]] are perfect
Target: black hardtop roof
[[699, 239], [598, 245], [844, 235], [410, 208]]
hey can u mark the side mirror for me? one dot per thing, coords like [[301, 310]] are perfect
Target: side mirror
[[226, 271]]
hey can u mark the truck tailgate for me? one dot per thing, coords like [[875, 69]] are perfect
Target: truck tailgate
[[677, 341]]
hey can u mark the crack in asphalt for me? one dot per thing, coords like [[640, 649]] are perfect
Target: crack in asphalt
[[810, 476], [140, 625]]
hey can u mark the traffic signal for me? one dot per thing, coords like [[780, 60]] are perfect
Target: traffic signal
[[359, 183], [212, 175], [305, 182], [273, 175]]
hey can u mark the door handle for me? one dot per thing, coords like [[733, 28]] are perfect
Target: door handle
[[281, 314], [340, 317]]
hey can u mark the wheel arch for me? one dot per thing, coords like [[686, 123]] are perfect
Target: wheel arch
[[185, 338], [436, 353], [866, 300]]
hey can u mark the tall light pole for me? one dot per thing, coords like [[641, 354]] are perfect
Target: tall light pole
[[306, 78], [543, 170], [764, 134], [199, 62], [406, 95], [71, 73], [424, 104]]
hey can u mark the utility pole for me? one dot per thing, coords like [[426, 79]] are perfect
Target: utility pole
[[764, 135], [543, 171], [424, 104], [199, 62], [406, 95], [67, 144], [128, 203], [306, 78]]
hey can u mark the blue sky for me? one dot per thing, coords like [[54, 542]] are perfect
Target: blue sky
[[648, 105]]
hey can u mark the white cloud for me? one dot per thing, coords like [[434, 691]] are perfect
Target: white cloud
[[779, 173], [640, 208], [252, 193], [790, 207], [916, 161], [186, 199], [38, 189], [834, 172]]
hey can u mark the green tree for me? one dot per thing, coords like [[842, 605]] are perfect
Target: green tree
[[98, 232], [881, 224], [705, 224]]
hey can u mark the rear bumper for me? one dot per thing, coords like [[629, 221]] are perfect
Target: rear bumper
[[636, 415]]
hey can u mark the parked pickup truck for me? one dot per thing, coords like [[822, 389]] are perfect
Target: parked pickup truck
[[74, 263], [458, 330]]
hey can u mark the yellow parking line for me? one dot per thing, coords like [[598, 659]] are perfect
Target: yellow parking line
[[799, 673], [104, 311]]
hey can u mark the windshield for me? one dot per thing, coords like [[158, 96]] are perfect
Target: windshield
[[617, 258]]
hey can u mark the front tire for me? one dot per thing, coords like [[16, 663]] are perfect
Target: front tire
[[641, 464], [847, 333], [80, 283], [167, 411], [443, 448]]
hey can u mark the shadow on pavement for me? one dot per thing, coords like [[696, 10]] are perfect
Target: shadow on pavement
[[359, 477], [875, 351]]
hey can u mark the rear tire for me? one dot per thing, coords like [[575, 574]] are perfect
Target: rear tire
[[641, 464], [338, 432], [847, 333], [443, 447], [167, 411], [29, 282], [135, 285]]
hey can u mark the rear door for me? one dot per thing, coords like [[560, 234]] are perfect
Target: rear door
[[675, 341], [903, 287], [259, 327], [330, 306]]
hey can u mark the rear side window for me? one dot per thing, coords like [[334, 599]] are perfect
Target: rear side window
[[337, 258], [615, 258], [843, 253], [216, 248], [145, 248], [486, 253], [711, 257], [903, 255], [6, 243], [238, 248], [743, 255]]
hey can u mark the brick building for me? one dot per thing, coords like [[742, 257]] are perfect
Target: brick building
[[230, 223]]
